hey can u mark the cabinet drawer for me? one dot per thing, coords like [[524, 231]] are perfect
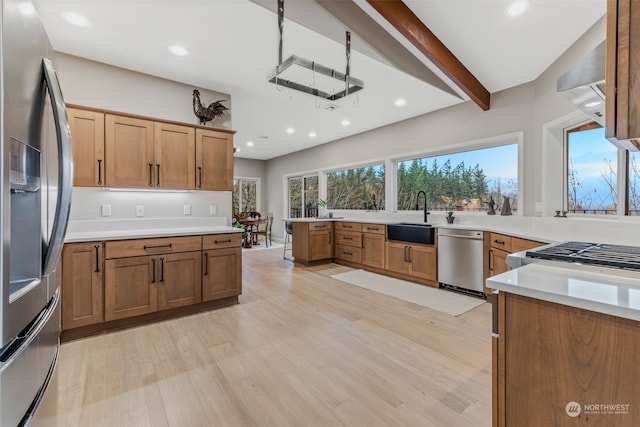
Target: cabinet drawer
[[315, 226], [219, 241], [349, 238], [500, 241], [518, 244], [162, 245], [348, 226], [349, 253], [374, 228]]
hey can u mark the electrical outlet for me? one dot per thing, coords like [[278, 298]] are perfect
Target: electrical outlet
[[105, 210], [139, 210], [213, 209], [187, 209]]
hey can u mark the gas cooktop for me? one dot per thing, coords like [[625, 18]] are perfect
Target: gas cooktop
[[616, 256]]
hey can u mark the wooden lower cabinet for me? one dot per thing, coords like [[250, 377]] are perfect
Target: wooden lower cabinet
[[179, 281], [498, 261], [417, 261], [373, 245], [82, 269], [312, 241], [548, 358], [222, 273], [131, 287]]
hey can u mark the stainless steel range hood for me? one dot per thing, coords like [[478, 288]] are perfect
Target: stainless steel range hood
[[584, 85]]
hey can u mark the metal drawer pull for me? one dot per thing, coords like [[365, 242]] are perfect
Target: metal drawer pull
[[347, 253], [223, 241], [158, 175], [162, 269], [347, 238], [99, 171], [500, 242], [97, 258], [373, 228], [150, 174], [200, 176], [157, 246], [206, 263]]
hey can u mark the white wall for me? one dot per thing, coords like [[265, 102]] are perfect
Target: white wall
[[97, 85], [524, 108]]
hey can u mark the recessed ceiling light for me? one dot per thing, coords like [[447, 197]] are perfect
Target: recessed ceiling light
[[400, 102], [592, 104], [179, 50], [263, 137], [517, 7], [290, 130], [345, 122], [75, 19], [312, 134], [249, 143]]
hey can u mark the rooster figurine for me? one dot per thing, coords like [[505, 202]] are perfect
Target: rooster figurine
[[205, 114]]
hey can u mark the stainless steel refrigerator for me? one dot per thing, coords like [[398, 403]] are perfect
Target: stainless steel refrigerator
[[35, 195]]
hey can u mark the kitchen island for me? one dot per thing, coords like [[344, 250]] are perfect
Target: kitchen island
[[565, 344]]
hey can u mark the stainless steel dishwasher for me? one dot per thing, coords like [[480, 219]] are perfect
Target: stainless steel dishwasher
[[460, 260]]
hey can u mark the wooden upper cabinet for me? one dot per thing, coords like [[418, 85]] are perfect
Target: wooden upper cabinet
[[129, 145], [622, 113], [214, 160], [87, 140], [174, 156]]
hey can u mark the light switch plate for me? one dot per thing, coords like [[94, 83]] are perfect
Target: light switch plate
[[139, 210], [105, 210], [187, 209], [213, 209]]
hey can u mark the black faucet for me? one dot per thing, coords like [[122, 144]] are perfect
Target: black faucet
[[425, 204]]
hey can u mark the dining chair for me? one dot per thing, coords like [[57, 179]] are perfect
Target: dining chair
[[288, 231], [266, 232]]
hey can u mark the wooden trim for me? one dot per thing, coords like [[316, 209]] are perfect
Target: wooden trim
[[114, 325], [611, 78], [410, 26], [137, 116]]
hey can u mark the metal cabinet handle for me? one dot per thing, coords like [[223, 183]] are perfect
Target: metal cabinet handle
[[97, 258], [99, 171], [347, 226], [158, 246], [206, 263], [222, 241], [347, 253], [199, 176], [158, 175], [410, 253], [500, 242], [405, 253], [347, 238], [153, 274], [373, 228], [162, 269], [490, 259], [150, 174]]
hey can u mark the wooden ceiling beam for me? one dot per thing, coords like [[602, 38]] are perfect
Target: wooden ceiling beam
[[409, 25]]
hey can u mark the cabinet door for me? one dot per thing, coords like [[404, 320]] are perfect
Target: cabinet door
[[222, 273], [87, 141], [174, 156], [130, 287], [397, 258], [320, 245], [179, 280], [373, 249], [423, 262], [82, 267], [498, 261], [214, 160], [129, 152]]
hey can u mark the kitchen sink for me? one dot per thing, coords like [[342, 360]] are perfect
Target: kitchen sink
[[411, 232]]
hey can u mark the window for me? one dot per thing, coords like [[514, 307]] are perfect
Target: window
[[591, 172], [303, 196], [245, 194], [463, 181], [633, 186], [358, 188]]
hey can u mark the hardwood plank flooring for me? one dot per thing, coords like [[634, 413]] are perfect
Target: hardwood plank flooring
[[301, 349]]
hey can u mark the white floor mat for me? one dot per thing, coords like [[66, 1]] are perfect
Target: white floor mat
[[437, 299]]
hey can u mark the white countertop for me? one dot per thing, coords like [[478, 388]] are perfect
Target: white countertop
[[586, 287], [84, 231]]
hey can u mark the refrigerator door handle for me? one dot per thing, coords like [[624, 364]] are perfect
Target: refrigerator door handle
[[65, 169]]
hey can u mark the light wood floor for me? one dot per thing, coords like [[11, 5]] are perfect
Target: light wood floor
[[301, 349]]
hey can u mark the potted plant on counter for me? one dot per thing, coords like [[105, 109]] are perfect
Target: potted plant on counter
[[322, 208], [450, 217]]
